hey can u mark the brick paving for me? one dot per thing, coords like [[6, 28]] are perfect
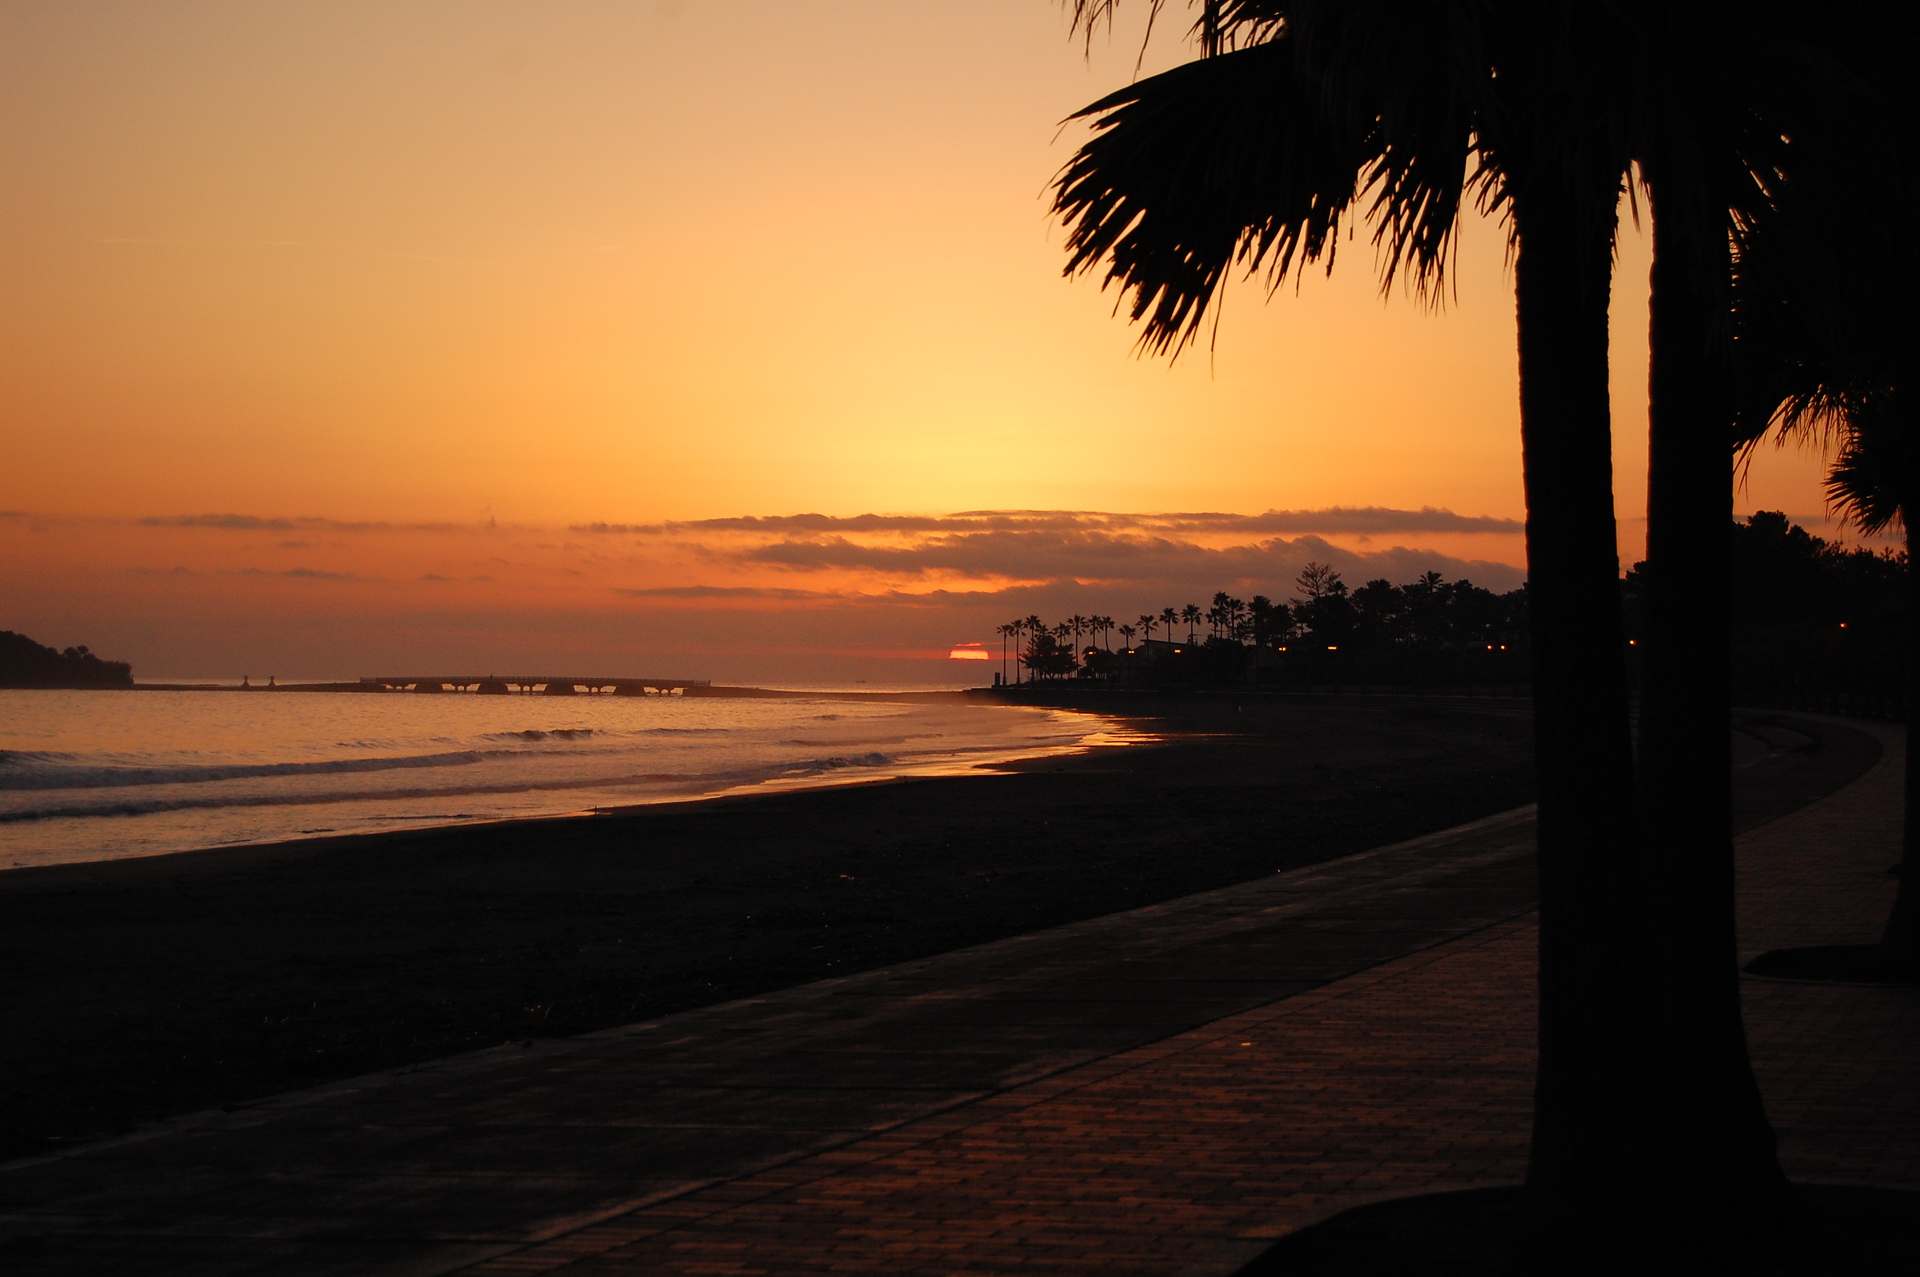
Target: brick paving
[[1838, 1064], [1158, 1092], [1187, 1155]]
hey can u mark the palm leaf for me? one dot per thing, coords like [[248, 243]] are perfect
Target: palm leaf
[[1253, 159], [1220, 161], [1867, 480]]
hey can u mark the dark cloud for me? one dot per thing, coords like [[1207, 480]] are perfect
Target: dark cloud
[[1025, 554], [280, 523], [1362, 520], [232, 522], [1371, 520], [784, 523], [1154, 571], [727, 592], [1178, 551], [1264, 567], [298, 574]]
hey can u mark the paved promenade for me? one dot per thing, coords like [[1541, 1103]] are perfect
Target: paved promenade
[[1157, 1092]]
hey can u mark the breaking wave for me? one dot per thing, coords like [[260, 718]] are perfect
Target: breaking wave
[[108, 776], [161, 772]]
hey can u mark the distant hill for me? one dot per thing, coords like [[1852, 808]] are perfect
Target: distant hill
[[25, 663]]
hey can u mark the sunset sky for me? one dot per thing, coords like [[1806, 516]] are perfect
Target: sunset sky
[[344, 336]]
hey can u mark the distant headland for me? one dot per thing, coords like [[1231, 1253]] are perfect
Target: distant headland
[[25, 663]]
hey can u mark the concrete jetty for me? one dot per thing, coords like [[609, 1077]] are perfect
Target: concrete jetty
[[533, 684]]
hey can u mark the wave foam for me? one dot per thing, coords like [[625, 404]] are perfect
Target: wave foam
[[116, 777]]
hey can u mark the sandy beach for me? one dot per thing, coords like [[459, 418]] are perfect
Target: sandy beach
[[163, 985], [157, 986]]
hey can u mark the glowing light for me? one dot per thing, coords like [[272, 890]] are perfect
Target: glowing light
[[968, 652]]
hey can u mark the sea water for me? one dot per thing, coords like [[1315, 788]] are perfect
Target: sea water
[[102, 775]]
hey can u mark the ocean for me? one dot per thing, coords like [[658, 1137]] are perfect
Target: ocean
[[104, 775]]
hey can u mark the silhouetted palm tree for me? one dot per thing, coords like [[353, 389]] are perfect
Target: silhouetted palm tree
[[1192, 615], [1266, 621], [1873, 482], [1250, 159], [1714, 91], [1217, 616], [1147, 622], [1827, 340], [1168, 619]]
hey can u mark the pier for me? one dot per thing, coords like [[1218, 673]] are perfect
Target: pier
[[533, 684]]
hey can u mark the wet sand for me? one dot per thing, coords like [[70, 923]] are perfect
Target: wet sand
[[138, 989]]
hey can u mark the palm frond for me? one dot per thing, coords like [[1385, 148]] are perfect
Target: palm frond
[[1221, 161], [1868, 481], [1088, 16], [1253, 159], [1415, 76], [1214, 29], [1826, 264]]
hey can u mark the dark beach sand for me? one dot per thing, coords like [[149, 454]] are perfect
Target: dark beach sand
[[143, 988], [137, 989]]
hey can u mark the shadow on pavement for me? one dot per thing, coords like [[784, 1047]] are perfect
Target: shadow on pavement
[[1864, 1232], [1831, 964]]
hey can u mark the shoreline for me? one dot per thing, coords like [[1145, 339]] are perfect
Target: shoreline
[[150, 987], [1142, 709], [159, 985], [358, 687], [1105, 730], [197, 857]]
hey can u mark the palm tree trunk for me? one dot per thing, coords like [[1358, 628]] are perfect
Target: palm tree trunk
[[1721, 1160], [1900, 942], [1592, 1118]]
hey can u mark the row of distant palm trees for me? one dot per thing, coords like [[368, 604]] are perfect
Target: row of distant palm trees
[[1226, 616]]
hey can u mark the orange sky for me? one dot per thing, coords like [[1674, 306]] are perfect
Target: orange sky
[[419, 288]]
